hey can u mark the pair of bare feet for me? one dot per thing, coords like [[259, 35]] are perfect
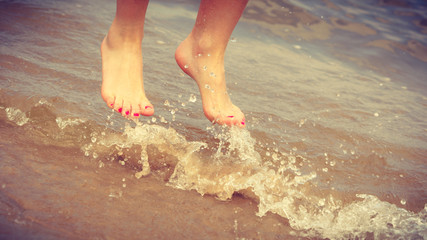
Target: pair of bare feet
[[199, 56]]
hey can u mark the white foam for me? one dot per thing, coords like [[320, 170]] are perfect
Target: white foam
[[63, 123], [16, 116]]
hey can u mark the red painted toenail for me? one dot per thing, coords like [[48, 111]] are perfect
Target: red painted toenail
[[119, 110], [243, 123], [136, 114], [127, 112], [147, 107], [230, 116]]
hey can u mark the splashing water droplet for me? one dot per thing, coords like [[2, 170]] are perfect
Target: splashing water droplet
[[205, 68], [162, 120], [153, 119], [199, 55], [192, 98], [166, 103], [185, 66], [212, 74], [207, 86]]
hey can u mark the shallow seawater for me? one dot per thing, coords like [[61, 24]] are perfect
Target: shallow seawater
[[334, 94]]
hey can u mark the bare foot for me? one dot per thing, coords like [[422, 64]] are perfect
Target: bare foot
[[122, 80], [207, 69]]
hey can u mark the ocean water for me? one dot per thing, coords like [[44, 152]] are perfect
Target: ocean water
[[334, 94]]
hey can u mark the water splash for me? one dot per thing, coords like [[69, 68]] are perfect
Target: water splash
[[16, 116], [276, 181], [192, 98]]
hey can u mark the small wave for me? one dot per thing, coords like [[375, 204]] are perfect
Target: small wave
[[234, 166], [231, 164]]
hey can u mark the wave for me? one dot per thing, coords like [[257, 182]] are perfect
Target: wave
[[228, 163]]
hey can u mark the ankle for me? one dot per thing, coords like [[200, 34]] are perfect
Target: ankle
[[128, 36], [205, 46]]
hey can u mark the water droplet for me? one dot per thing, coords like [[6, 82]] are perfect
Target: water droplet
[[325, 169], [403, 201], [183, 104], [185, 66], [124, 179], [124, 185], [209, 54], [207, 86], [332, 163], [376, 114], [153, 119], [166, 103], [205, 67], [172, 111], [270, 119], [93, 139], [162, 120], [95, 155], [212, 74], [192, 98], [322, 202], [199, 55]]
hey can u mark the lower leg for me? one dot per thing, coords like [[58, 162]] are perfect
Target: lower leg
[[122, 79], [201, 56]]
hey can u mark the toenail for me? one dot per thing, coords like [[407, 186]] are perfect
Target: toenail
[[147, 107], [119, 110], [243, 123], [136, 114], [230, 116], [127, 112]]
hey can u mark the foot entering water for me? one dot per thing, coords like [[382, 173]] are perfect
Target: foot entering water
[[207, 69], [122, 80]]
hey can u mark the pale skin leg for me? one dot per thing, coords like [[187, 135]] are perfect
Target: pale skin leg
[[200, 55], [122, 79]]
